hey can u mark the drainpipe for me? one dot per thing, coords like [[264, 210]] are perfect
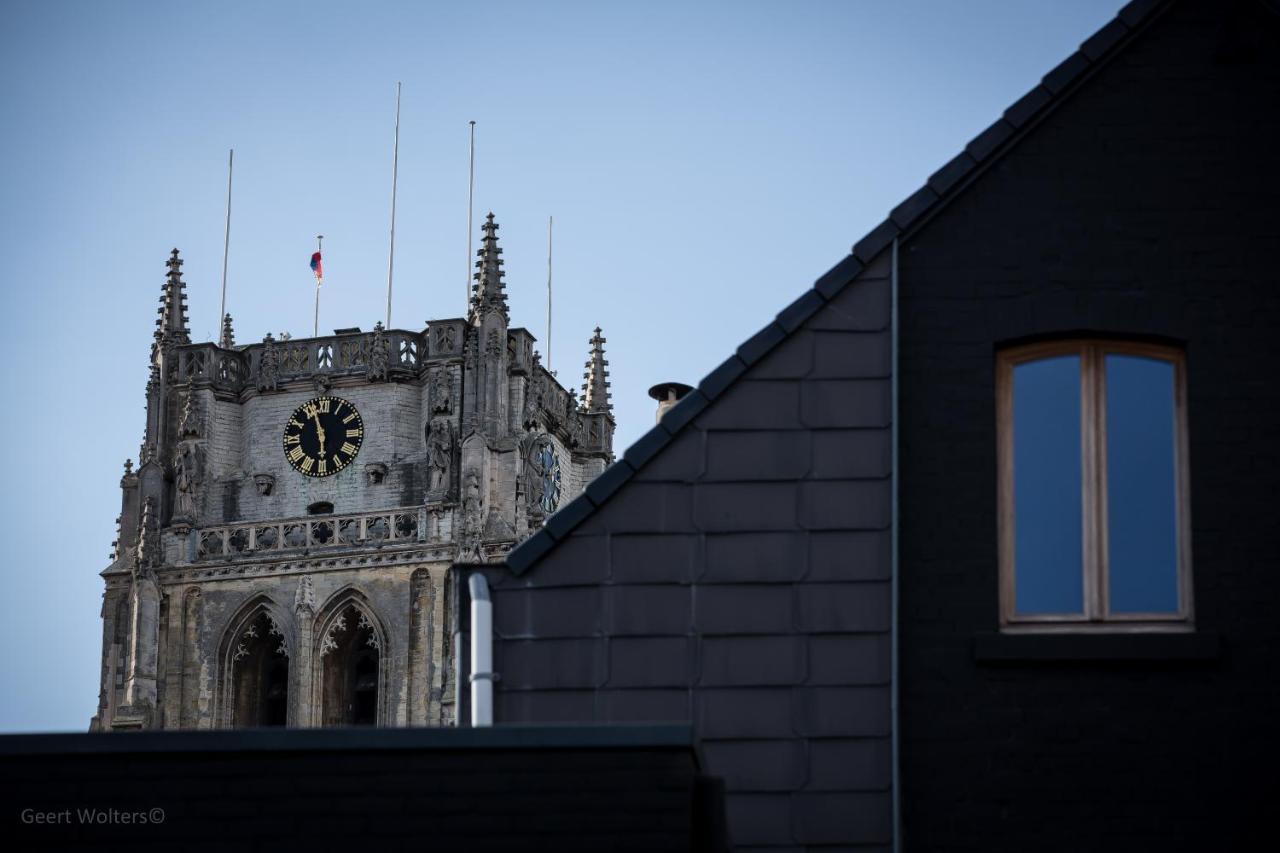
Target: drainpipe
[[481, 652], [895, 678]]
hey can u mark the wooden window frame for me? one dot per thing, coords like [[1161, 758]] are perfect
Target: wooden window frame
[[1093, 449]]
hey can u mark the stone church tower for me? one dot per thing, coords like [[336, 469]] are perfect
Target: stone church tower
[[284, 543]]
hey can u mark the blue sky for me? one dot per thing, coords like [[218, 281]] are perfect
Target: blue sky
[[704, 162]]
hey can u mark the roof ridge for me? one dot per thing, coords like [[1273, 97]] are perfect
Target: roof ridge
[[941, 187]]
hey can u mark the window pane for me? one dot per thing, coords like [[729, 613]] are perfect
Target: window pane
[[1048, 577], [1141, 502]]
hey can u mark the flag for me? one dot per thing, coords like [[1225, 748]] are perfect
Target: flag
[[316, 267]]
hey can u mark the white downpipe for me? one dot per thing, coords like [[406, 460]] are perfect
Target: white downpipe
[[481, 652]]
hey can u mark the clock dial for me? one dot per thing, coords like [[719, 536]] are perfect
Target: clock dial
[[323, 436], [546, 481]]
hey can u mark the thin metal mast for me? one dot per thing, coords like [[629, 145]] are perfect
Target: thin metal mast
[[471, 191], [395, 162], [226, 240], [550, 220], [315, 331]]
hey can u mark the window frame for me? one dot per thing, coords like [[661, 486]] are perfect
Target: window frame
[[1095, 551]]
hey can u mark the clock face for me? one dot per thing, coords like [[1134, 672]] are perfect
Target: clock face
[[546, 481], [323, 436]]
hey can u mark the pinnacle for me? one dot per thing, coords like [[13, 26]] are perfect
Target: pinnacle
[[228, 339], [489, 291], [595, 387], [171, 325]]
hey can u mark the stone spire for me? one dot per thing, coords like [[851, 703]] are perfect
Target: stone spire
[[228, 339], [171, 326], [489, 293], [595, 387]]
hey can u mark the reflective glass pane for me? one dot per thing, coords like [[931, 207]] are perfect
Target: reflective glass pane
[[1141, 501], [1048, 575]]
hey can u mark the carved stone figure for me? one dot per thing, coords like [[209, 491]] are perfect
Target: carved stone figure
[[264, 483], [445, 339], [304, 600], [189, 424], [269, 365], [471, 502], [188, 477], [148, 538], [378, 355], [441, 392], [440, 456]]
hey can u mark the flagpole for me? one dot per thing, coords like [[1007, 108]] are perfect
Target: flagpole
[[550, 219], [315, 331], [471, 191], [395, 162], [226, 241]]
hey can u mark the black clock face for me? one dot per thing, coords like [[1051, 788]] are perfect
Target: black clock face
[[323, 436], [546, 467]]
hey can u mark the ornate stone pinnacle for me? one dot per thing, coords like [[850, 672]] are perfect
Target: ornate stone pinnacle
[[171, 325], [489, 292], [595, 387], [228, 339]]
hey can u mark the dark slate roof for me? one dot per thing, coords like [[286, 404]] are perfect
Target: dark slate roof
[[942, 186]]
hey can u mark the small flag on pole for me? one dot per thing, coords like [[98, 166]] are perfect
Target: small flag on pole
[[317, 268]]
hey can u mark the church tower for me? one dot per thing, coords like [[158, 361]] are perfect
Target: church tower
[[284, 543]]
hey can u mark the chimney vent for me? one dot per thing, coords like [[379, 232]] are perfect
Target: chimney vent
[[668, 394]]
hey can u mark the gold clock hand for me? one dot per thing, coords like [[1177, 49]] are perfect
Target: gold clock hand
[[319, 432]]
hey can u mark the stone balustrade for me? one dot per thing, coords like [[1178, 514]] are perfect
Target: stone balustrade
[[401, 526]]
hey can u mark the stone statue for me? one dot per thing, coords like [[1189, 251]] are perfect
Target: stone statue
[[471, 502], [440, 456], [148, 538], [189, 422], [378, 357], [188, 475], [441, 392], [269, 366]]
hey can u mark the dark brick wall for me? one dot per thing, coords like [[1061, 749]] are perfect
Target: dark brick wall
[[451, 789], [1147, 204], [740, 581]]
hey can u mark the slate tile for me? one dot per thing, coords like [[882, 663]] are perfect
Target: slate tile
[[756, 455], [528, 552], [956, 170], [876, 241], [690, 405], [1097, 45], [838, 277], [744, 609], [580, 559], [794, 315], [759, 820], [681, 461], [1135, 12], [845, 504], [744, 506], [752, 404], [554, 612], [610, 480], [744, 713], [654, 705], [751, 661], [650, 662], [720, 377], [843, 818], [865, 764], [569, 516], [647, 446], [844, 607], [652, 558], [915, 206], [650, 610], [754, 557], [864, 306], [549, 663], [546, 706], [1066, 72], [844, 403], [757, 765], [791, 359], [843, 711], [646, 508], [851, 454], [759, 344], [1026, 107], [850, 659], [981, 146], [851, 355]]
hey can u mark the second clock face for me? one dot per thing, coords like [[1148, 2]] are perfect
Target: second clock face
[[323, 436]]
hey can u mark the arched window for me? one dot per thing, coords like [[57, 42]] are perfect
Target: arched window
[[351, 657], [259, 662]]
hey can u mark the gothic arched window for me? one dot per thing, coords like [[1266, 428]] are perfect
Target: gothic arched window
[[259, 661], [351, 657]]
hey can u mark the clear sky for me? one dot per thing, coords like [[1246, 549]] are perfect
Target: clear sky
[[704, 162]]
